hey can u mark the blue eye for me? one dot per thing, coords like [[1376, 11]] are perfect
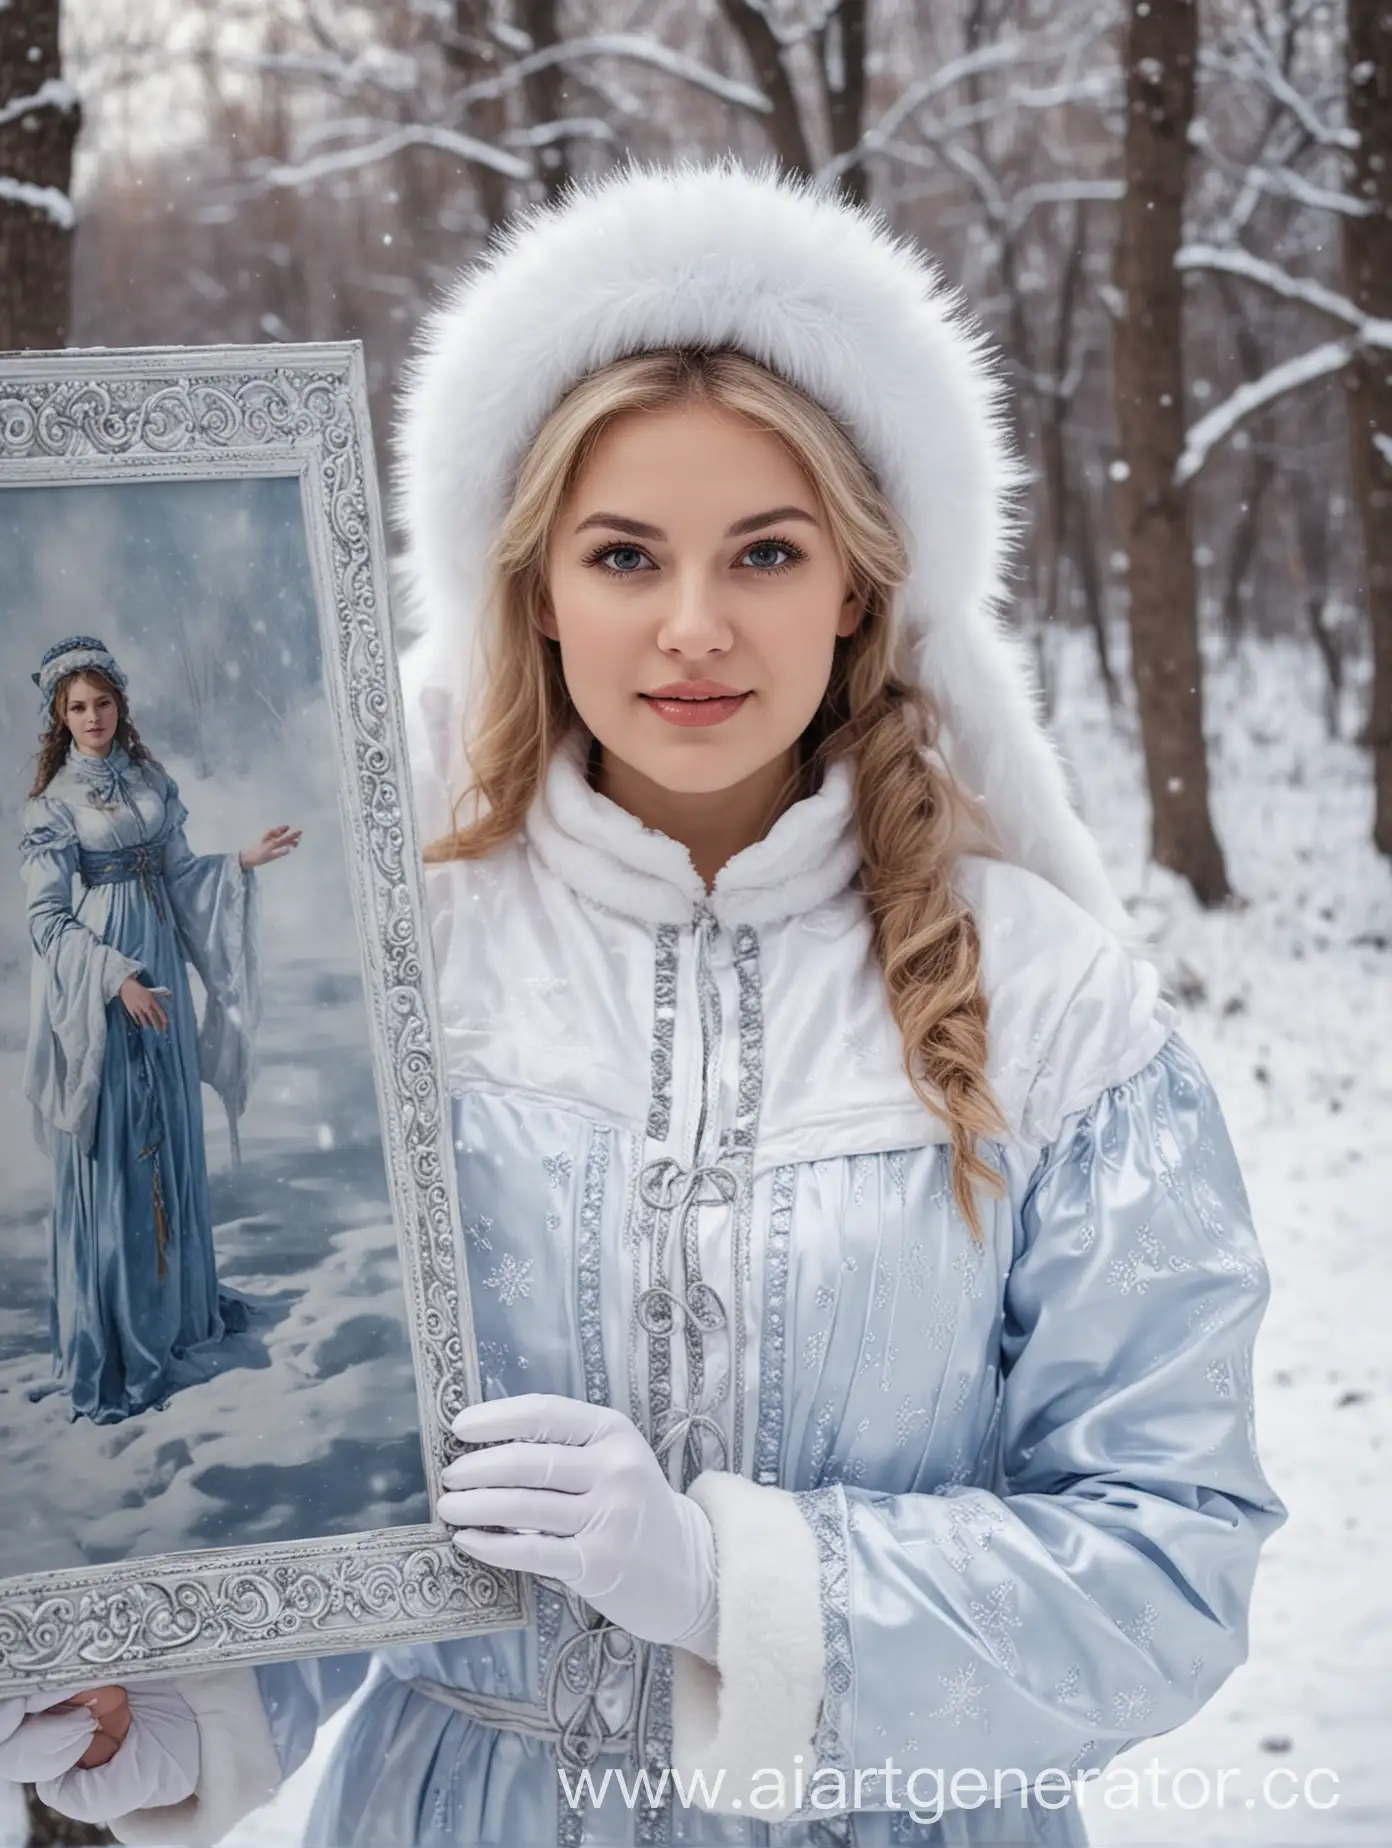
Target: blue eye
[[792, 555]]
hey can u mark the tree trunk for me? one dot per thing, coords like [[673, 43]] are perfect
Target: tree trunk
[[39, 119], [545, 91], [475, 56], [1368, 261], [841, 48], [1161, 50], [784, 126]]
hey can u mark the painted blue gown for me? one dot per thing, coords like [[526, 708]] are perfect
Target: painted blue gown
[[114, 890]]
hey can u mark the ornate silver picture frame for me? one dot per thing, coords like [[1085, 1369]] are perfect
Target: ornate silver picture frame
[[236, 1323]]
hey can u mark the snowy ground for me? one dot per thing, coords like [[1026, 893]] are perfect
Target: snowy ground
[[1289, 1002]]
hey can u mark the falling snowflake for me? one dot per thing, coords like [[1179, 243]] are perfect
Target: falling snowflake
[[510, 1279]]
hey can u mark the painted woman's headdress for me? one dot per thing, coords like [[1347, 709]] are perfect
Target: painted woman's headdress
[[820, 291], [70, 656]]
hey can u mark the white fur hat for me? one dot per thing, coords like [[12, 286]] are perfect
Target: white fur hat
[[821, 292]]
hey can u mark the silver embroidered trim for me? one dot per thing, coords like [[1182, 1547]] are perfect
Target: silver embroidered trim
[[821, 1508], [768, 1439], [664, 1027], [588, 1269]]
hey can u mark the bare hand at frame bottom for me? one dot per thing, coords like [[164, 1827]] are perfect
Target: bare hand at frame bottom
[[587, 1504], [102, 1752]]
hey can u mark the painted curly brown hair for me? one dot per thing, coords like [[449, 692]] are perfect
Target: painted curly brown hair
[[56, 741]]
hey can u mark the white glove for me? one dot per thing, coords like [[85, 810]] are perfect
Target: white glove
[[35, 1744], [589, 1507], [156, 1762]]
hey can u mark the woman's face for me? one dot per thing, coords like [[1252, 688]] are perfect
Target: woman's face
[[91, 715], [693, 557]]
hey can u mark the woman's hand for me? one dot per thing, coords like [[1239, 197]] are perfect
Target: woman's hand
[[588, 1506], [142, 1004], [274, 844], [144, 1754]]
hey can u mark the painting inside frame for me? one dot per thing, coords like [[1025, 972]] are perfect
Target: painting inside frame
[[289, 1410], [236, 1322]]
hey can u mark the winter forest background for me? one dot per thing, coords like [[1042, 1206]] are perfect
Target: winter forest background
[[1176, 218]]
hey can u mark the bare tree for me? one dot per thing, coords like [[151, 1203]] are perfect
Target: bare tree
[[39, 119], [1161, 47], [1368, 262]]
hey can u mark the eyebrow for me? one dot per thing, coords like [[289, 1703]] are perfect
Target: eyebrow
[[641, 530]]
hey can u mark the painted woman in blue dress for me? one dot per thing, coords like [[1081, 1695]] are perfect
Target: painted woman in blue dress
[[864, 1283], [115, 1051]]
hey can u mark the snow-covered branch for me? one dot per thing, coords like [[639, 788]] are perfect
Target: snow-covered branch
[[55, 205], [1270, 276], [631, 46], [1291, 375], [421, 135], [54, 93], [1283, 183], [567, 128], [1061, 192], [1261, 69]]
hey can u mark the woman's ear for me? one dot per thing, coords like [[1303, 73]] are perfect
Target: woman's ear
[[852, 611]]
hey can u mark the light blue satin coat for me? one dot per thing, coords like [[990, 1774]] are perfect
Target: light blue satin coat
[[135, 1308], [1029, 1466]]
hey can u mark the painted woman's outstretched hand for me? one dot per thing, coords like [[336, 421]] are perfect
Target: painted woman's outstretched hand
[[274, 844], [590, 1507]]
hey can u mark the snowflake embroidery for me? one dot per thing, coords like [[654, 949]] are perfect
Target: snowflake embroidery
[[894, 1161], [476, 1229], [860, 1170], [964, 1697], [559, 1169], [547, 984], [971, 1520], [942, 1324], [1141, 1627], [510, 1279], [1067, 1689], [814, 1347], [884, 1288], [970, 1267], [1218, 1373], [907, 1416], [995, 1616], [1128, 1273], [553, 1222], [1131, 1707], [916, 1267], [826, 1296]]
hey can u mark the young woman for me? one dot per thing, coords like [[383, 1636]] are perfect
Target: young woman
[[115, 1050], [864, 1284]]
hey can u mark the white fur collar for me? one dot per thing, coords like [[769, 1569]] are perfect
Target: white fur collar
[[606, 854], [822, 292]]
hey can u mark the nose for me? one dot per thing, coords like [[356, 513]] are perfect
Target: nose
[[693, 621]]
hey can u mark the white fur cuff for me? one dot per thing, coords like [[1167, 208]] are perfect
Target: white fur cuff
[[238, 1769], [754, 1713]]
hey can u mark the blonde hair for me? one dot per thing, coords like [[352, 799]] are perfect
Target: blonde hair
[[910, 816]]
